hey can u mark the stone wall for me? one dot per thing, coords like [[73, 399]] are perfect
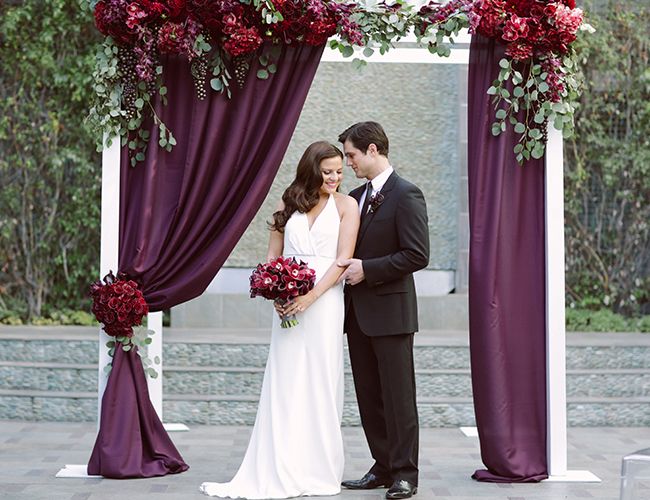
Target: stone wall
[[418, 105]]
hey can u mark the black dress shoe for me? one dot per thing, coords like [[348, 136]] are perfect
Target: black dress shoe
[[401, 489], [367, 482]]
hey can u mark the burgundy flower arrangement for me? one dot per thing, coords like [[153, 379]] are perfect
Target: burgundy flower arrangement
[[119, 305], [173, 26], [218, 37], [538, 81], [281, 280]]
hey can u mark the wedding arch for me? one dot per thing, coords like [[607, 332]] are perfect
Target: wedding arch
[[187, 95]]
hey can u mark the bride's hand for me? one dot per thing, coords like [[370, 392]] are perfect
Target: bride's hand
[[299, 304], [279, 308]]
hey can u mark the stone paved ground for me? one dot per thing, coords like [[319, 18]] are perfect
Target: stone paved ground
[[32, 453]]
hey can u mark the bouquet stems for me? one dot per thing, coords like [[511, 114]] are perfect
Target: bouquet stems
[[286, 321]]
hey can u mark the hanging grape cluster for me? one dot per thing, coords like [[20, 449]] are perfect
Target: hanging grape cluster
[[242, 65], [199, 75], [127, 61]]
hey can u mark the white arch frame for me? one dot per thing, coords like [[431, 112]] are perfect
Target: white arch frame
[[555, 302]]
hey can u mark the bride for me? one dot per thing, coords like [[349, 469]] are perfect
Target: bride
[[296, 447]]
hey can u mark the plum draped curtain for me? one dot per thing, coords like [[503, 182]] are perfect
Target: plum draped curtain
[[506, 288], [181, 214]]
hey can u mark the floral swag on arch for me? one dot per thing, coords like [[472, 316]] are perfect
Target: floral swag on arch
[[539, 80]]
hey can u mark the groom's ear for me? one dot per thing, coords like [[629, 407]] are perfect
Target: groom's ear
[[372, 149]]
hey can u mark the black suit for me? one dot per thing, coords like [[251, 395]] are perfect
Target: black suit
[[380, 320]]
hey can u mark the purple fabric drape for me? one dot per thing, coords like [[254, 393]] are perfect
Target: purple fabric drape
[[506, 288], [181, 214], [131, 441]]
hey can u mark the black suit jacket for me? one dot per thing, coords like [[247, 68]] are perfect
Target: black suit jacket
[[393, 243]]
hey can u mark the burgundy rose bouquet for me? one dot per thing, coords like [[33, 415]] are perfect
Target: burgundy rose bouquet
[[119, 305], [281, 280]]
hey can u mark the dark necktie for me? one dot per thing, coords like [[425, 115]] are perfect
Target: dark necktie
[[366, 202]]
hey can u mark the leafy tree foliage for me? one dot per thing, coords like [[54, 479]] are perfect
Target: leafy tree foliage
[[49, 170], [608, 165]]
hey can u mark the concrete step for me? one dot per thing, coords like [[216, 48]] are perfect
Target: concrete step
[[249, 348], [241, 410], [237, 381], [200, 409], [206, 381], [192, 348]]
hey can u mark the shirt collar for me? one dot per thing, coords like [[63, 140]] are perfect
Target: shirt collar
[[379, 181]]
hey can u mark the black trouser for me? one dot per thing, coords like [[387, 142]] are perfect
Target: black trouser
[[384, 381]]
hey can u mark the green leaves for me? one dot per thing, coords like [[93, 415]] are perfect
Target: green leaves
[[523, 98], [439, 35], [346, 50], [201, 46], [139, 341], [48, 164]]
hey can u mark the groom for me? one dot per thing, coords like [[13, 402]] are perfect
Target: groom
[[381, 309]]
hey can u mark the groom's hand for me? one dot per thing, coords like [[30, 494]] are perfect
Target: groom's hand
[[353, 275]]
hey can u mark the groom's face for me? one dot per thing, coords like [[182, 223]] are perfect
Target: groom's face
[[361, 162]]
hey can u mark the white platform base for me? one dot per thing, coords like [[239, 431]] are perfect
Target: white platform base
[[76, 471], [469, 431], [574, 476], [175, 427]]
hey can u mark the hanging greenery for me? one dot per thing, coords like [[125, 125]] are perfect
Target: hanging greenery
[[538, 81]]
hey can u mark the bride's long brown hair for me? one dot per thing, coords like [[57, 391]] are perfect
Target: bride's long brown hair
[[303, 193]]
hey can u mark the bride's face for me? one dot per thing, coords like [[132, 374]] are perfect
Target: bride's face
[[332, 172]]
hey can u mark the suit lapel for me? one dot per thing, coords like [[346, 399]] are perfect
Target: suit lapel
[[356, 192], [385, 190]]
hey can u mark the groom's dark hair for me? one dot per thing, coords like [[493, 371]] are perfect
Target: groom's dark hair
[[363, 134]]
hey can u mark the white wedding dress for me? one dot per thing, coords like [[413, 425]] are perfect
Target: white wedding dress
[[296, 447]]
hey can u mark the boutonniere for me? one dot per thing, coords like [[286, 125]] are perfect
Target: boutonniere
[[375, 200]]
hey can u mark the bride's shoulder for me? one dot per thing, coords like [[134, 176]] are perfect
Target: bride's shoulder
[[345, 202]]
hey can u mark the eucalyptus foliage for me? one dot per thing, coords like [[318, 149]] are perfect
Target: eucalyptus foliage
[[49, 175], [141, 339], [523, 109]]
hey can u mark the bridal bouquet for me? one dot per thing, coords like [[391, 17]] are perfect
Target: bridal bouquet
[[281, 280]]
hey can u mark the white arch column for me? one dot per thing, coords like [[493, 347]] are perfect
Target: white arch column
[[555, 320]]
